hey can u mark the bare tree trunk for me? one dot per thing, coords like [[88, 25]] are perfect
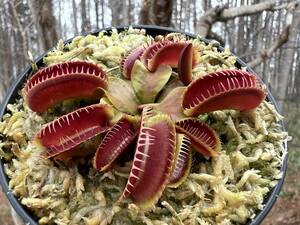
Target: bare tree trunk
[[144, 17], [194, 14], [102, 12], [187, 12], [161, 13], [85, 22], [13, 45], [116, 11], [8, 56], [74, 7], [158, 12], [258, 40], [206, 4], [21, 41], [286, 64], [45, 22], [175, 14], [295, 92], [3, 56], [241, 40], [60, 26], [180, 14], [124, 14], [129, 10], [96, 2]]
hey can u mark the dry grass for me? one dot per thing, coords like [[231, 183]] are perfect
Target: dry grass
[[5, 216], [286, 210]]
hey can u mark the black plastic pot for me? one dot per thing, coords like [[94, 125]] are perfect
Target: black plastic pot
[[12, 94]]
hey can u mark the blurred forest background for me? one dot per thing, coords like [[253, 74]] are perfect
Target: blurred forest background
[[265, 34]]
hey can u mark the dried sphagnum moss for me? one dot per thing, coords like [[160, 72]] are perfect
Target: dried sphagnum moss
[[227, 189]]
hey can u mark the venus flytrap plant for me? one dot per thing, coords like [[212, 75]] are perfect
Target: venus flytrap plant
[[165, 129]]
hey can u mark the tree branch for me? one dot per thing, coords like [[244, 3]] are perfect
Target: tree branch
[[214, 36], [246, 10], [280, 40], [208, 19], [223, 13], [267, 53]]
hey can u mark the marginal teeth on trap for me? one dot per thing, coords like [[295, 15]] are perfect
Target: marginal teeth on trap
[[203, 139], [114, 143], [164, 52], [150, 171], [183, 161], [129, 60], [228, 89], [74, 128], [185, 64], [63, 81]]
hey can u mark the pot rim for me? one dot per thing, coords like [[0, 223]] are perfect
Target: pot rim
[[12, 94]]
